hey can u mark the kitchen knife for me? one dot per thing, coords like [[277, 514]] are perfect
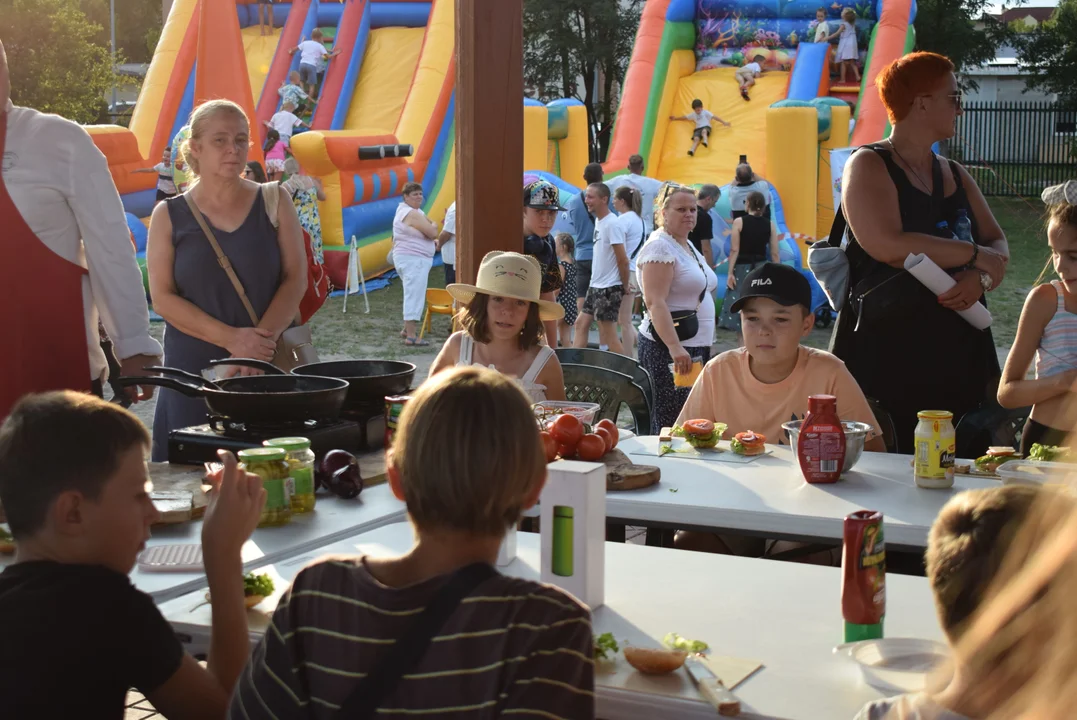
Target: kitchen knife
[[711, 687]]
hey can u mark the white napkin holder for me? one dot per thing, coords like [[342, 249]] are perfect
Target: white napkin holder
[[573, 505]]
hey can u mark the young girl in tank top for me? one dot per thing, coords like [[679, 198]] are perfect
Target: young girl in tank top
[[502, 315], [1047, 333]]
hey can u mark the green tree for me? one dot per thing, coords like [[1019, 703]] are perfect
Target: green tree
[[138, 26], [572, 42], [55, 66], [948, 27], [1049, 52]]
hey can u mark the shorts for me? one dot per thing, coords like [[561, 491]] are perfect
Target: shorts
[[308, 74], [604, 304], [743, 75], [275, 165], [633, 284], [583, 278], [264, 2], [162, 195], [698, 132]]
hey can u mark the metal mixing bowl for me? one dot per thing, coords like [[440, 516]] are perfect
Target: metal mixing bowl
[[856, 434]]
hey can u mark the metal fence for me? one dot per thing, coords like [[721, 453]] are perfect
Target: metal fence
[[1017, 148]]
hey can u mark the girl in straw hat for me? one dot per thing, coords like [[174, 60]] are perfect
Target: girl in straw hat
[[502, 317]]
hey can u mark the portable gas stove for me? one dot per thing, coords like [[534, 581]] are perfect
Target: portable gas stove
[[357, 431]]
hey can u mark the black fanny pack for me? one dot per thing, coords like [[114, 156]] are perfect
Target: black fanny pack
[[685, 322]]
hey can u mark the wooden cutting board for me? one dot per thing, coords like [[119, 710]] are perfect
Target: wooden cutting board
[[623, 474], [172, 483]]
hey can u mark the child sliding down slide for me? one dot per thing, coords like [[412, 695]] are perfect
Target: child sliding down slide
[[746, 75], [703, 119]]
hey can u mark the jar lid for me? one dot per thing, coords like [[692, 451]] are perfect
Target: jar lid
[[262, 454], [291, 444], [935, 415]]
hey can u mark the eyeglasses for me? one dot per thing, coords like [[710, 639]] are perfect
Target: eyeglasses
[[956, 98]]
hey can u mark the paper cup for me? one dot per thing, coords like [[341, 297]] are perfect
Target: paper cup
[[689, 379]]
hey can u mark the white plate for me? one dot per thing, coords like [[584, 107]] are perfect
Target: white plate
[[896, 664]]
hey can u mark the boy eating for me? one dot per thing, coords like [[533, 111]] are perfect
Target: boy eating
[[767, 382], [467, 460], [76, 633], [979, 541]]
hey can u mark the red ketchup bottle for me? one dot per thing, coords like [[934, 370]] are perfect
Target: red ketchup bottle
[[821, 444], [863, 576]]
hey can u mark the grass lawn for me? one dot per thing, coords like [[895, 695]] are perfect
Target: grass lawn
[[355, 334], [1025, 231]]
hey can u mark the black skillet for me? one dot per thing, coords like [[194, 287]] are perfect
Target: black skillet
[[255, 398], [369, 381]]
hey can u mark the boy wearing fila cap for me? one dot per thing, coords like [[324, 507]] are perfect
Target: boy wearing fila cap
[[767, 382]]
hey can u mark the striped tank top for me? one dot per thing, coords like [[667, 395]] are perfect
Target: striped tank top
[[1058, 344]]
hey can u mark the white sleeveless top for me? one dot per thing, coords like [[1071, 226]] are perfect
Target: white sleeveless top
[[536, 392]]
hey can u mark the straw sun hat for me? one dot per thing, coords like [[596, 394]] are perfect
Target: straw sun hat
[[511, 275]]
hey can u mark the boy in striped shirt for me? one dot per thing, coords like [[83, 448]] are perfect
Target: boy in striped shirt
[[467, 460]]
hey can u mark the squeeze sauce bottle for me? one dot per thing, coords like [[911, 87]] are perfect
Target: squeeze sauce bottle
[[863, 576], [821, 445]]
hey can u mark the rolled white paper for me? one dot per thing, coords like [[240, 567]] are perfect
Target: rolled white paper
[[937, 281]]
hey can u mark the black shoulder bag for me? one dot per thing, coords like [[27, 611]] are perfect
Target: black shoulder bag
[[642, 239], [686, 322], [879, 291], [372, 690]]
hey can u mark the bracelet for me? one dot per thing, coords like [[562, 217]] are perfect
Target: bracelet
[[971, 263]]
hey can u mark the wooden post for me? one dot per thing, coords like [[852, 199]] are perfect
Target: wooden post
[[489, 130]]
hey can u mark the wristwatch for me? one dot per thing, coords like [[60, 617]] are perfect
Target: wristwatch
[[985, 281]]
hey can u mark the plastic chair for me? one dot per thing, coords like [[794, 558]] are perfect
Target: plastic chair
[[438, 302], [990, 424], [611, 361], [610, 389], [886, 425]]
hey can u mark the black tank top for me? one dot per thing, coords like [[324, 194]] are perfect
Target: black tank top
[[754, 239]]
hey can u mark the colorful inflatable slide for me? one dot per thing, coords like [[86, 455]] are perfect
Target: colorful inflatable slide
[[391, 83], [687, 49]]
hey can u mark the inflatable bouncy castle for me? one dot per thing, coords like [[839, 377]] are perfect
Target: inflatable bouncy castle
[[391, 83], [687, 49]]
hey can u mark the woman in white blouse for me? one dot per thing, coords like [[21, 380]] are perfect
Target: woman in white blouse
[[678, 327]]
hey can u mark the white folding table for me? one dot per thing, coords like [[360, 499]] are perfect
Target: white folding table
[[784, 615], [769, 498], [332, 519]]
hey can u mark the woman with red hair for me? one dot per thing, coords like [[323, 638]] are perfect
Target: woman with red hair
[[909, 349]]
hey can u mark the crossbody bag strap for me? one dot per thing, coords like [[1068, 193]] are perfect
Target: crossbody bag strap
[[706, 281], [222, 259], [642, 239], [405, 654]]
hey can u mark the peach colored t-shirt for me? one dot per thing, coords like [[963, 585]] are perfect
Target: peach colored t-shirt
[[728, 392]]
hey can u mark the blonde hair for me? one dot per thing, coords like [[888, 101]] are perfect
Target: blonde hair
[[202, 115], [291, 165], [662, 199], [848, 15], [468, 452]]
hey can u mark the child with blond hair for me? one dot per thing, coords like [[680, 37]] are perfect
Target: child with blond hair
[[467, 460], [1047, 333], [977, 548], [848, 51]]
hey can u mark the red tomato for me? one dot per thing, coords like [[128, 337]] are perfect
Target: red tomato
[[612, 427], [606, 435], [550, 446], [591, 448], [566, 429], [566, 451]]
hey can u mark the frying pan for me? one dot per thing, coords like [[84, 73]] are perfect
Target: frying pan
[[255, 398], [369, 381]]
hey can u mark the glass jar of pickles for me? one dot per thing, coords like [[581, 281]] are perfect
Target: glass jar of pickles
[[270, 465], [300, 461]]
